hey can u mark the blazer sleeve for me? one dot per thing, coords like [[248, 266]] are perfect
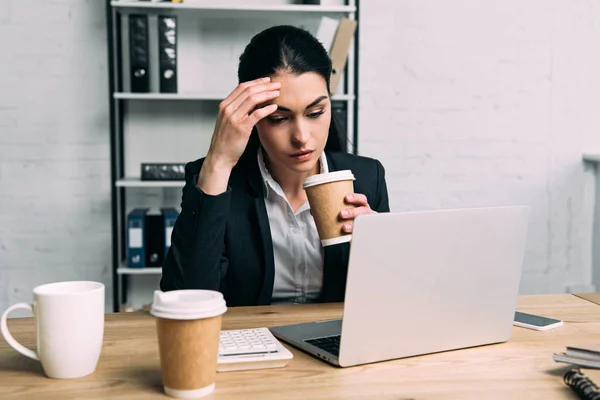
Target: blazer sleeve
[[197, 258], [381, 203]]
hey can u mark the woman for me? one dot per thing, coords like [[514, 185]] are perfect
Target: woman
[[245, 226]]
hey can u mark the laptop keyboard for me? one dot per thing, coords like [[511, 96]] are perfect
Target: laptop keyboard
[[330, 344]]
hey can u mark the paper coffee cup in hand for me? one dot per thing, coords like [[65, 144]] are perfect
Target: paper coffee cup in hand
[[326, 194], [188, 326]]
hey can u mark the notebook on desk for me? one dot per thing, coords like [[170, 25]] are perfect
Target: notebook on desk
[[584, 355], [422, 282]]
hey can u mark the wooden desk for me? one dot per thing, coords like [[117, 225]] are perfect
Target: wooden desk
[[129, 365], [593, 297]]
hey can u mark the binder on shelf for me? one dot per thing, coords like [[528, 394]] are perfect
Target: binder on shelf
[[136, 257], [154, 239], [339, 50], [149, 236], [163, 172], [167, 50], [169, 217], [326, 32], [138, 53]]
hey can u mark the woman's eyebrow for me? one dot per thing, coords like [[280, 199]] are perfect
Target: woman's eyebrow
[[312, 104]]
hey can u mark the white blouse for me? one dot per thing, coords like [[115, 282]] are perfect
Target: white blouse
[[297, 249]]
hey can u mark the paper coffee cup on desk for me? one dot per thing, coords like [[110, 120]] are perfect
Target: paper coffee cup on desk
[[326, 194], [188, 326], [69, 325]]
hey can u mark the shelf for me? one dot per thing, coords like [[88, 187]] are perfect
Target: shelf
[[136, 182], [591, 156], [139, 271], [167, 96], [147, 5], [195, 96]]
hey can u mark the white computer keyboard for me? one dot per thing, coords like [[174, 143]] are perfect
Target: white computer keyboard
[[243, 349]]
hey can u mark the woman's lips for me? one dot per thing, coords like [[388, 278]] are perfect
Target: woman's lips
[[302, 155]]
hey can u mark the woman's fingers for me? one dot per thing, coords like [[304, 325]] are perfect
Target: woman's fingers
[[357, 199], [260, 114], [347, 227], [351, 213], [360, 203], [252, 96], [240, 88], [253, 103]]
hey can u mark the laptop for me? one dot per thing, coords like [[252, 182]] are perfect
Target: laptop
[[420, 283]]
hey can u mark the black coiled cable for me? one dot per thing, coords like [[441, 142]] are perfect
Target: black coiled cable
[[582, 385]]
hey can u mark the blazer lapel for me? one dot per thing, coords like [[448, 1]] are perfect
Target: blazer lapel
[[257, 187], [335, 271], [335, 263], [266, 291]]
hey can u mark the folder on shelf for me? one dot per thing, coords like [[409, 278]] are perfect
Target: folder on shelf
[[169, 216], [136, 257], [167, 50], [163, 171], [154, 238], [339, 50], [326, 32], [139, 53]]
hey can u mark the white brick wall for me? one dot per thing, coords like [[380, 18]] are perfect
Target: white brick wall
[[54, 146], [471, 103]]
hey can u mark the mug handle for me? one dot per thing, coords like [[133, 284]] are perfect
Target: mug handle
[[8, 337]]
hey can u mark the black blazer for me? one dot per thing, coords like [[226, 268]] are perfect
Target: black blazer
[[224, 242]]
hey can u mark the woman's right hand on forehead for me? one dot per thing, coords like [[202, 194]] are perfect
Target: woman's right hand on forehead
[[238, 114]]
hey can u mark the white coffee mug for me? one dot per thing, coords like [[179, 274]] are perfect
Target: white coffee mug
[[69, 321]]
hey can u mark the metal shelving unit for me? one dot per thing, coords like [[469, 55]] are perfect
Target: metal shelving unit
[[119, 99], [136, 182], [196, 96], [139, 271], [256, 8]]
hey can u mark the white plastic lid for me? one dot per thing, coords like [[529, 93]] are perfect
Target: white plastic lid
[[187, 304], [319, 179]]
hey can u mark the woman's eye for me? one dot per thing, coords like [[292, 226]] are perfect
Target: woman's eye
[[316, 115], [276, 120]]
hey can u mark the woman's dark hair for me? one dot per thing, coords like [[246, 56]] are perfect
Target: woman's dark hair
[[294, 50]]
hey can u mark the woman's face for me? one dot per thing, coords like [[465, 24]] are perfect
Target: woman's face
[[294, 136]]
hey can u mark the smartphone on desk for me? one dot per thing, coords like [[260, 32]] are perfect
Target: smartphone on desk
[[536, 322]]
